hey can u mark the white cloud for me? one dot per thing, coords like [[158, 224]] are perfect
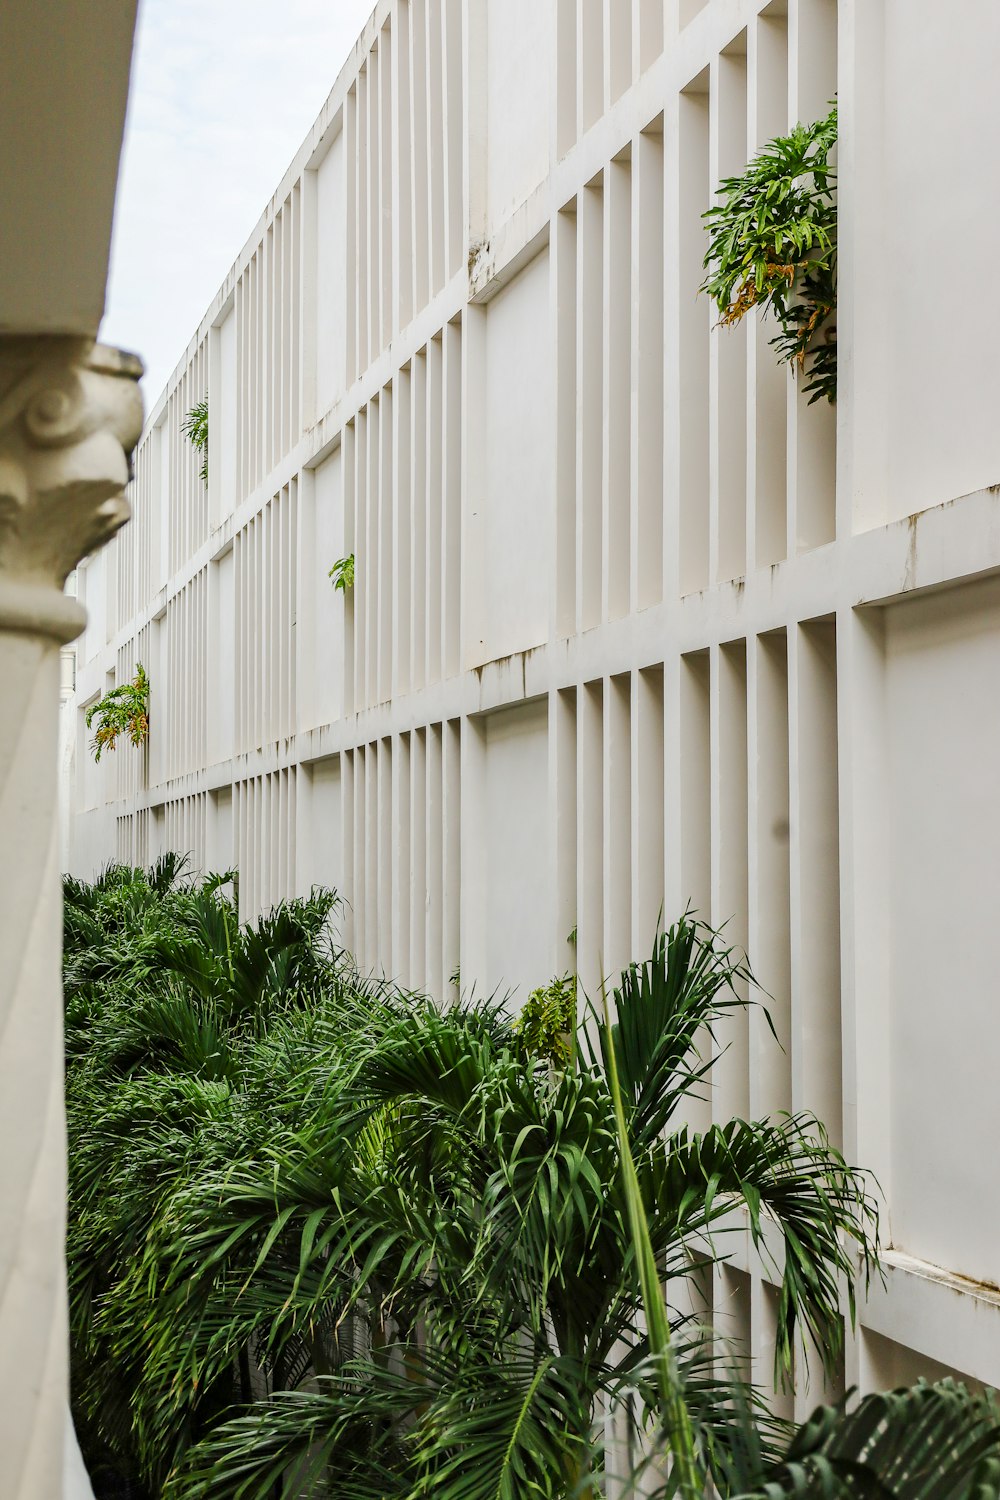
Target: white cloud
[[223, 93]]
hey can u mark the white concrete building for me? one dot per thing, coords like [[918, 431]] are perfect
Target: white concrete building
[[632, 624]]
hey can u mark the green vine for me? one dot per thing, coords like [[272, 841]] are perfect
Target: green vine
[[125, 710], [195, 429], [773, 242], [342, 573], [547, 1023]]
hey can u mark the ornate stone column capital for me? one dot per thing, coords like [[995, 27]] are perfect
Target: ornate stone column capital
[[70, 416]]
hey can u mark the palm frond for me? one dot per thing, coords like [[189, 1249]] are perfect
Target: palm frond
[[665, 1013], [929, 1442], [786, 1177]]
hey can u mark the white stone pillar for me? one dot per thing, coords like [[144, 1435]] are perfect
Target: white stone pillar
[[70, 414]]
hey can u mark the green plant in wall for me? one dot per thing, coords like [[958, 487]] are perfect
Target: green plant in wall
[[195, 429], [125, 710], [547, 1023], [772, 242], [342, 573]]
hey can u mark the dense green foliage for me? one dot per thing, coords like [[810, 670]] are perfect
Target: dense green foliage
[[925, 1443], [342, 573], [773, 243], [546, 1023], [169, 1009], [328, 1239], [195, 429], [125, 710]]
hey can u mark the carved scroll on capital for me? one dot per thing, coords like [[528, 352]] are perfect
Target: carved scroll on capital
[[70, 416]]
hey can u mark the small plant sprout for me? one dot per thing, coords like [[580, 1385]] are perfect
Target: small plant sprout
[[195, 429], [125, 710], [342, 573], [772, 243]]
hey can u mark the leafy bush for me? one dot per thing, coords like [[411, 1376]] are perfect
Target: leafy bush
[[773, 243], [546, 1024], [189, 1040], [326, 1238], [123, 711]]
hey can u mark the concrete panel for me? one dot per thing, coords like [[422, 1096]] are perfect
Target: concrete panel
[[331, 283], [321, 821], [512, 866], [925, 413], [944, 749], [64, 74], [520, 53], [519, 475]]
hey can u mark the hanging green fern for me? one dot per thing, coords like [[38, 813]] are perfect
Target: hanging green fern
[[195, 429], [125, 710], [773, 243]]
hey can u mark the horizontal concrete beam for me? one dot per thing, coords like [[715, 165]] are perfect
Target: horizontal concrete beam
[[64, 76]]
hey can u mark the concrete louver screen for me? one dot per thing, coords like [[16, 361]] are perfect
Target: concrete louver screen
[[632, 624]]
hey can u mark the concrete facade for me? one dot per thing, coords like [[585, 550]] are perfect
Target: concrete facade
[[632, 624]]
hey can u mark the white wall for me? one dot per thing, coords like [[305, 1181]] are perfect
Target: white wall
[[331, 283], [930, 420], [629, 627], [321, 822], [321, 614], [943, 896], [224, 427], [221, 663], [219, 851], [517, 537], [520, 38], [508, 937]]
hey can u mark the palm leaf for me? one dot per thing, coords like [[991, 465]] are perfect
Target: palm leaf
[[928, 1442]]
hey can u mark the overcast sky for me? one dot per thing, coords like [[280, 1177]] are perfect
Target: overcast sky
[[223, 93]]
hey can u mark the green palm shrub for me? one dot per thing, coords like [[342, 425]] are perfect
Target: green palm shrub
[[327, 1239], [922, 1443], [439, 1227], [169, 1004]]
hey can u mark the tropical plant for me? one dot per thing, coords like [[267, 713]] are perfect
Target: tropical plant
[[170, 1005], [122, 711], [195, 429], [430, 1228], [342, 573], [326, 1239], [773, 243], [678, 1428], [546, 1023], [921, 1443]]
